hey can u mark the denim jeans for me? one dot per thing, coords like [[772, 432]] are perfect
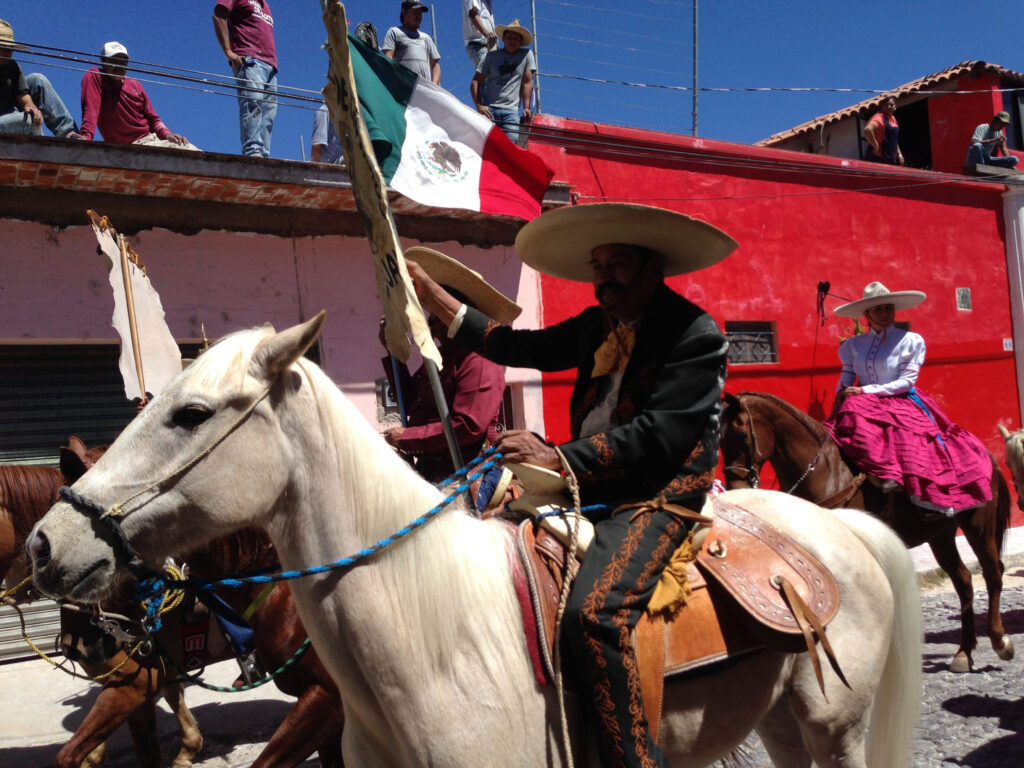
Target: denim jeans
[[978, 154], [508, 121], [55, 114], [256, 84]]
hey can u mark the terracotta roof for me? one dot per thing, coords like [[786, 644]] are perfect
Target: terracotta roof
[[869, 105]]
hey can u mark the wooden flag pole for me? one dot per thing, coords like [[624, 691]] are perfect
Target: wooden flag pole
[[122, 245], [371, 201]]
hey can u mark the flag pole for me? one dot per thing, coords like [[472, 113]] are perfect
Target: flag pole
[[122, 245], [370, 194]]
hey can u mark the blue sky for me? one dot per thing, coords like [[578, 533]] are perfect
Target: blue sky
[[742, 44]]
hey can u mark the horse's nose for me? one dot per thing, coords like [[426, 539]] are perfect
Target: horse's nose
[[37, 550]]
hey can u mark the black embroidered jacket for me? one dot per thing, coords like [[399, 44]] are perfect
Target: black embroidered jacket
[[668, 410]]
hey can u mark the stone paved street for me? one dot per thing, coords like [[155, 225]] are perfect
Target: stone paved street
[[975, 719]]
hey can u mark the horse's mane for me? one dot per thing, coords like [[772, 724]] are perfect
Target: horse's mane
[[450, 584], [27, 492], [812, 425], [1015, 450]]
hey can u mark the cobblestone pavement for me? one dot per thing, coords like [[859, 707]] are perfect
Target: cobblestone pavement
[[974, 719]]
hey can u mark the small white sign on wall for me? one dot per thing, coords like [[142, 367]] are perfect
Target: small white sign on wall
[[1007, 345]]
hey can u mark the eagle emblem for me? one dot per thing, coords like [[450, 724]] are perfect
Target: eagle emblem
[[446, 156]]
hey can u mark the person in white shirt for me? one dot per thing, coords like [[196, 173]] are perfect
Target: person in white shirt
[[891, 430], [478, 30]]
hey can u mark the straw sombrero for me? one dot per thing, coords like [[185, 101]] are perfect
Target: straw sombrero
[[516, 27], [876, 294], [447, 271], [7, 37], [559, 242]]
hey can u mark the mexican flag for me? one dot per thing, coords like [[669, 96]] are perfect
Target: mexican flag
[[435, 150]]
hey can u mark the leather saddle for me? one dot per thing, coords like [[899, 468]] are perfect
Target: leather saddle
[[750, 588]]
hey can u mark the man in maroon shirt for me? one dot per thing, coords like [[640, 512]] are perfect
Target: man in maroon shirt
[[120, 107], [245, 31], [473, 386]]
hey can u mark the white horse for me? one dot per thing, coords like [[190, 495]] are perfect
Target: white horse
[[424, 638]]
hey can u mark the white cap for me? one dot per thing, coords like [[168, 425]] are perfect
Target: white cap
[[113, 48]]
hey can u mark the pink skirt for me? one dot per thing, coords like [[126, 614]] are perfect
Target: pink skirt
[[939, 464]]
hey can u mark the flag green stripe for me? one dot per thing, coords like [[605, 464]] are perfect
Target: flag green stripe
[[385, 88]]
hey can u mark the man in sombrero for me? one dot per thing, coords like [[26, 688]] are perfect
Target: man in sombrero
[[650, 367]]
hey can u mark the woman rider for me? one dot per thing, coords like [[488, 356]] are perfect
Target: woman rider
[[888, 428]]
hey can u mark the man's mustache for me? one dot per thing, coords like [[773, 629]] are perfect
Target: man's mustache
[[608, 286]]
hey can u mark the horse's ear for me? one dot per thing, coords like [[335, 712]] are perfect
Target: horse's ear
[[730, 400], [72, 464], [76, 445], [274, 354], [1004, 432]]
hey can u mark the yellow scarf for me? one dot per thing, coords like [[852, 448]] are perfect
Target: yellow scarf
[[614, 353]]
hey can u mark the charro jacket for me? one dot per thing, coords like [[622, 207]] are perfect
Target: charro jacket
[[666, 441]]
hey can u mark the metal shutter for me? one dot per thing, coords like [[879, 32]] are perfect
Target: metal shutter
[[47, 393]]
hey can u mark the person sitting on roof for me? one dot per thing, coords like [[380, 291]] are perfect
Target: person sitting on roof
[[988, 139], [28, 101], [119, 106]]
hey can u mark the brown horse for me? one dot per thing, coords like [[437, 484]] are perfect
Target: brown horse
[[758, 428], [313, 724]]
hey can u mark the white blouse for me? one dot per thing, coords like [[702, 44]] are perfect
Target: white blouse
[[883, 364]]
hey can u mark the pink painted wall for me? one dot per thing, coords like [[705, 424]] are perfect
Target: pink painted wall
[[54, 287], [801, 224]]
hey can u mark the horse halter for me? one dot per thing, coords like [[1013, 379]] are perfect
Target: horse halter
[[749, 472], [112, 516]]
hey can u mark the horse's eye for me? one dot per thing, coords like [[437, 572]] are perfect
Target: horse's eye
[[192, 415]]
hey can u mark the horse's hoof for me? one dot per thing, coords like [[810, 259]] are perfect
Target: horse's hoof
[[961, 663], [1005, 649]]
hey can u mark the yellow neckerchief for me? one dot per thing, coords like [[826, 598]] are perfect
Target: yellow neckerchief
[[614, 353]]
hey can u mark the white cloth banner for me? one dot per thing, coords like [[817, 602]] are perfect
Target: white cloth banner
[[160, 357]]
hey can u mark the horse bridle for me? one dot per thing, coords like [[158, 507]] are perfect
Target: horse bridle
[[112, 516], [750, 472]]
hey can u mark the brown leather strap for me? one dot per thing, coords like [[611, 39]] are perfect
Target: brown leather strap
[[840, 499], [808, 622], [661, 505]]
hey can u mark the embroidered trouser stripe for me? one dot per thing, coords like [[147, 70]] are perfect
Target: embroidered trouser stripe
[[615, 583]]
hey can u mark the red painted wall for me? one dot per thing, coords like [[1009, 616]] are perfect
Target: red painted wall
[[953, 118], [801, 219]]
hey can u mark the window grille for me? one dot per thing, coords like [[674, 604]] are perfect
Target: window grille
[[751, 343]]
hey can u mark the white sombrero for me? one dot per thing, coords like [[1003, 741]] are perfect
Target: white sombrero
[[876, 294], [560, 242], [447, 271]]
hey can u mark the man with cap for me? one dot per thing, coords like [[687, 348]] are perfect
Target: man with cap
[[28, 101], [478, 29], [473, 386], [120, 108], [987, 139], [245, 31], [410, 47], [650, 367], [504, 80]]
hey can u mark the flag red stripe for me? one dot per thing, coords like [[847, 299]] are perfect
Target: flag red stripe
[[512, 179]]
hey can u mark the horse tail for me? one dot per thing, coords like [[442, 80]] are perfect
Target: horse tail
[[897, 706]]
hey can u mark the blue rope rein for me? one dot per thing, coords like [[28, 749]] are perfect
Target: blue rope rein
[[151, 588]]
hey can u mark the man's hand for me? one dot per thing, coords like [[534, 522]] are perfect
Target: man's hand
[[852, 391], [392, 435], [178, 139], [520, 446], [37, 116], [484, 110], [234, 59], [527, 115], [492, 40]]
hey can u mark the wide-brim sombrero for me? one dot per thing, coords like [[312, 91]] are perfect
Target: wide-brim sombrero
[[447, 271], [876, 294], [559, 243]]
